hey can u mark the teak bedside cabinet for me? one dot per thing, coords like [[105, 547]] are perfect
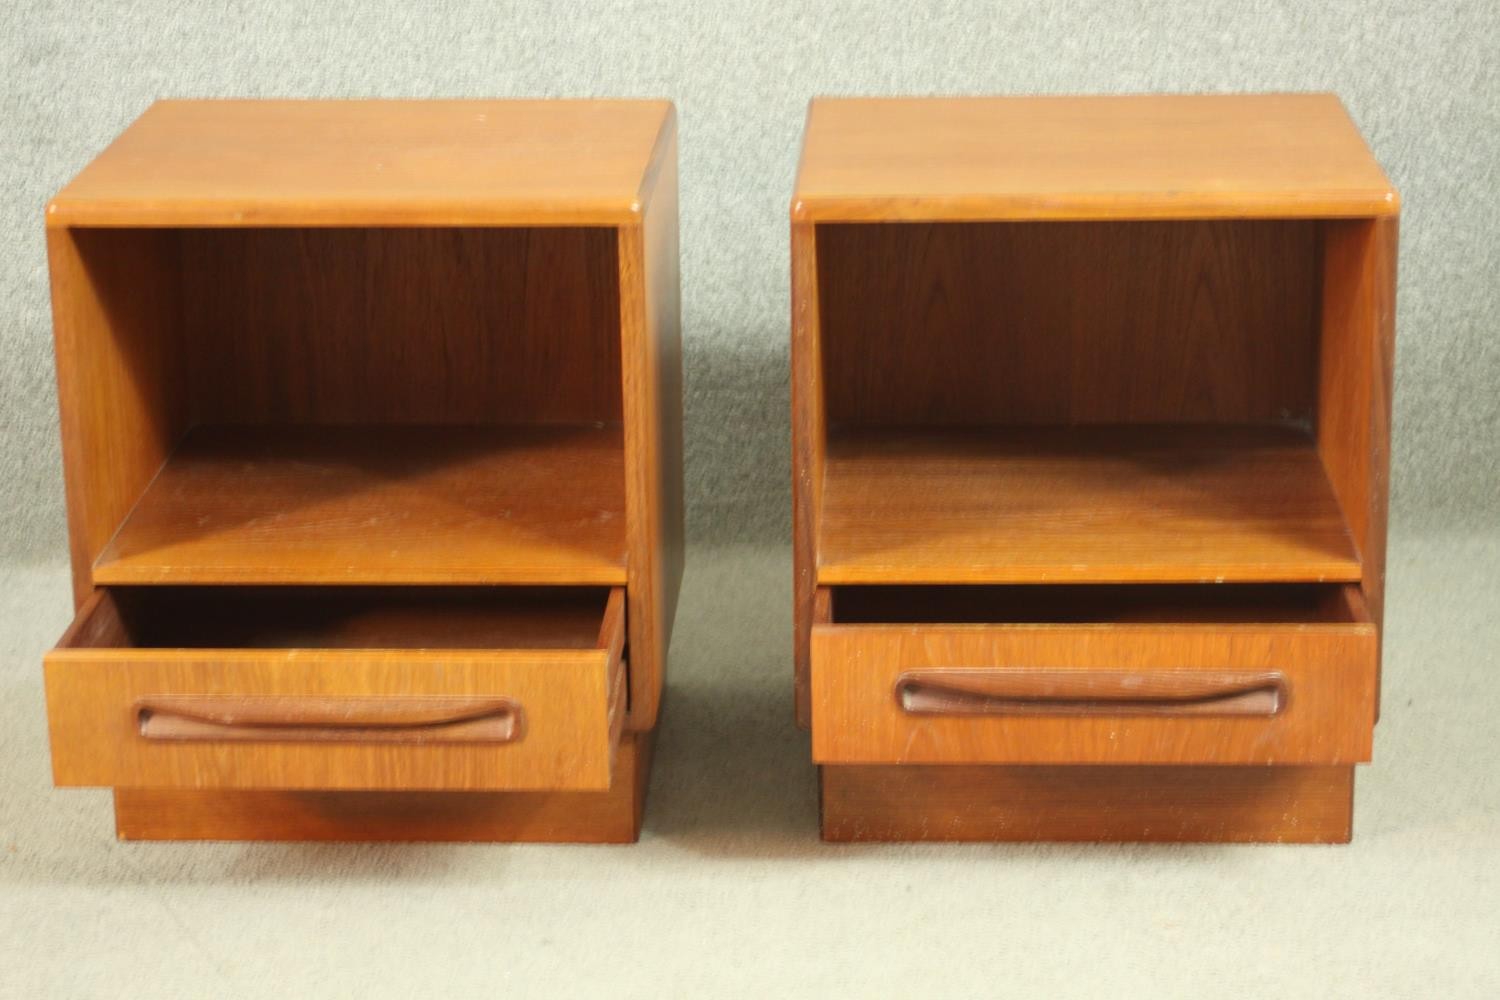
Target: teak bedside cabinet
[[1091, 404], [371, 419]]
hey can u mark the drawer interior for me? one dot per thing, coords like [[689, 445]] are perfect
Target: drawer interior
[[1065, 604], [344, 618]]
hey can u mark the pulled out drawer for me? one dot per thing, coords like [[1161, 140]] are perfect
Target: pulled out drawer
[[1211, 674], [340, 688]]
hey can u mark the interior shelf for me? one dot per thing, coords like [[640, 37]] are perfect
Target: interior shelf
[[1114, 504], [380, 504]]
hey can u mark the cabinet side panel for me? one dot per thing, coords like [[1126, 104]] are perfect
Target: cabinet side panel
[[1355, 382], [651, 339], [120, 386], [808, 450]]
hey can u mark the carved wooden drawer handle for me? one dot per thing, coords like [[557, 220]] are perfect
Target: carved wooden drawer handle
[[319, 719], [1010, 691]]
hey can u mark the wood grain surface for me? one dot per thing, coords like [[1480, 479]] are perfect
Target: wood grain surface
[[1060, 362], [607, 817], [1325, 713], [1309, 805], [353, 617], [316, 344], [426, 326], [422, 719], [1078, 323], [570, 703], [1116, 504], [160, 329], [1060, 158], [809, 453], [370, 163], [379, 505], [122, 391], [650, 331], [1356, 383]]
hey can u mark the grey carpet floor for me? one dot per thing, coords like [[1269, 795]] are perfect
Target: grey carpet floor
[[730, 892]]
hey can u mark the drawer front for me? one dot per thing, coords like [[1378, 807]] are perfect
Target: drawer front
[[1093, 694], [335, 719]]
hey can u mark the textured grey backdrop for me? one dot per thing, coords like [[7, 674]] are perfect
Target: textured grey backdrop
[[1420, 78]]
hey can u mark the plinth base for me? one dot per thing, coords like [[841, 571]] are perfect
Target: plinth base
[[1087, 803], [608, 817]]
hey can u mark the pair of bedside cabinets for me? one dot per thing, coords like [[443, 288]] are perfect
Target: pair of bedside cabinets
[[371, 417]]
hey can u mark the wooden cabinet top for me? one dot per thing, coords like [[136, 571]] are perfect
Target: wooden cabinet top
[[374, 163], [1125, 157]]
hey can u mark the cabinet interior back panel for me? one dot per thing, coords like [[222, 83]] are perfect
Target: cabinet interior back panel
[[1069, 323], [446, 326]]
